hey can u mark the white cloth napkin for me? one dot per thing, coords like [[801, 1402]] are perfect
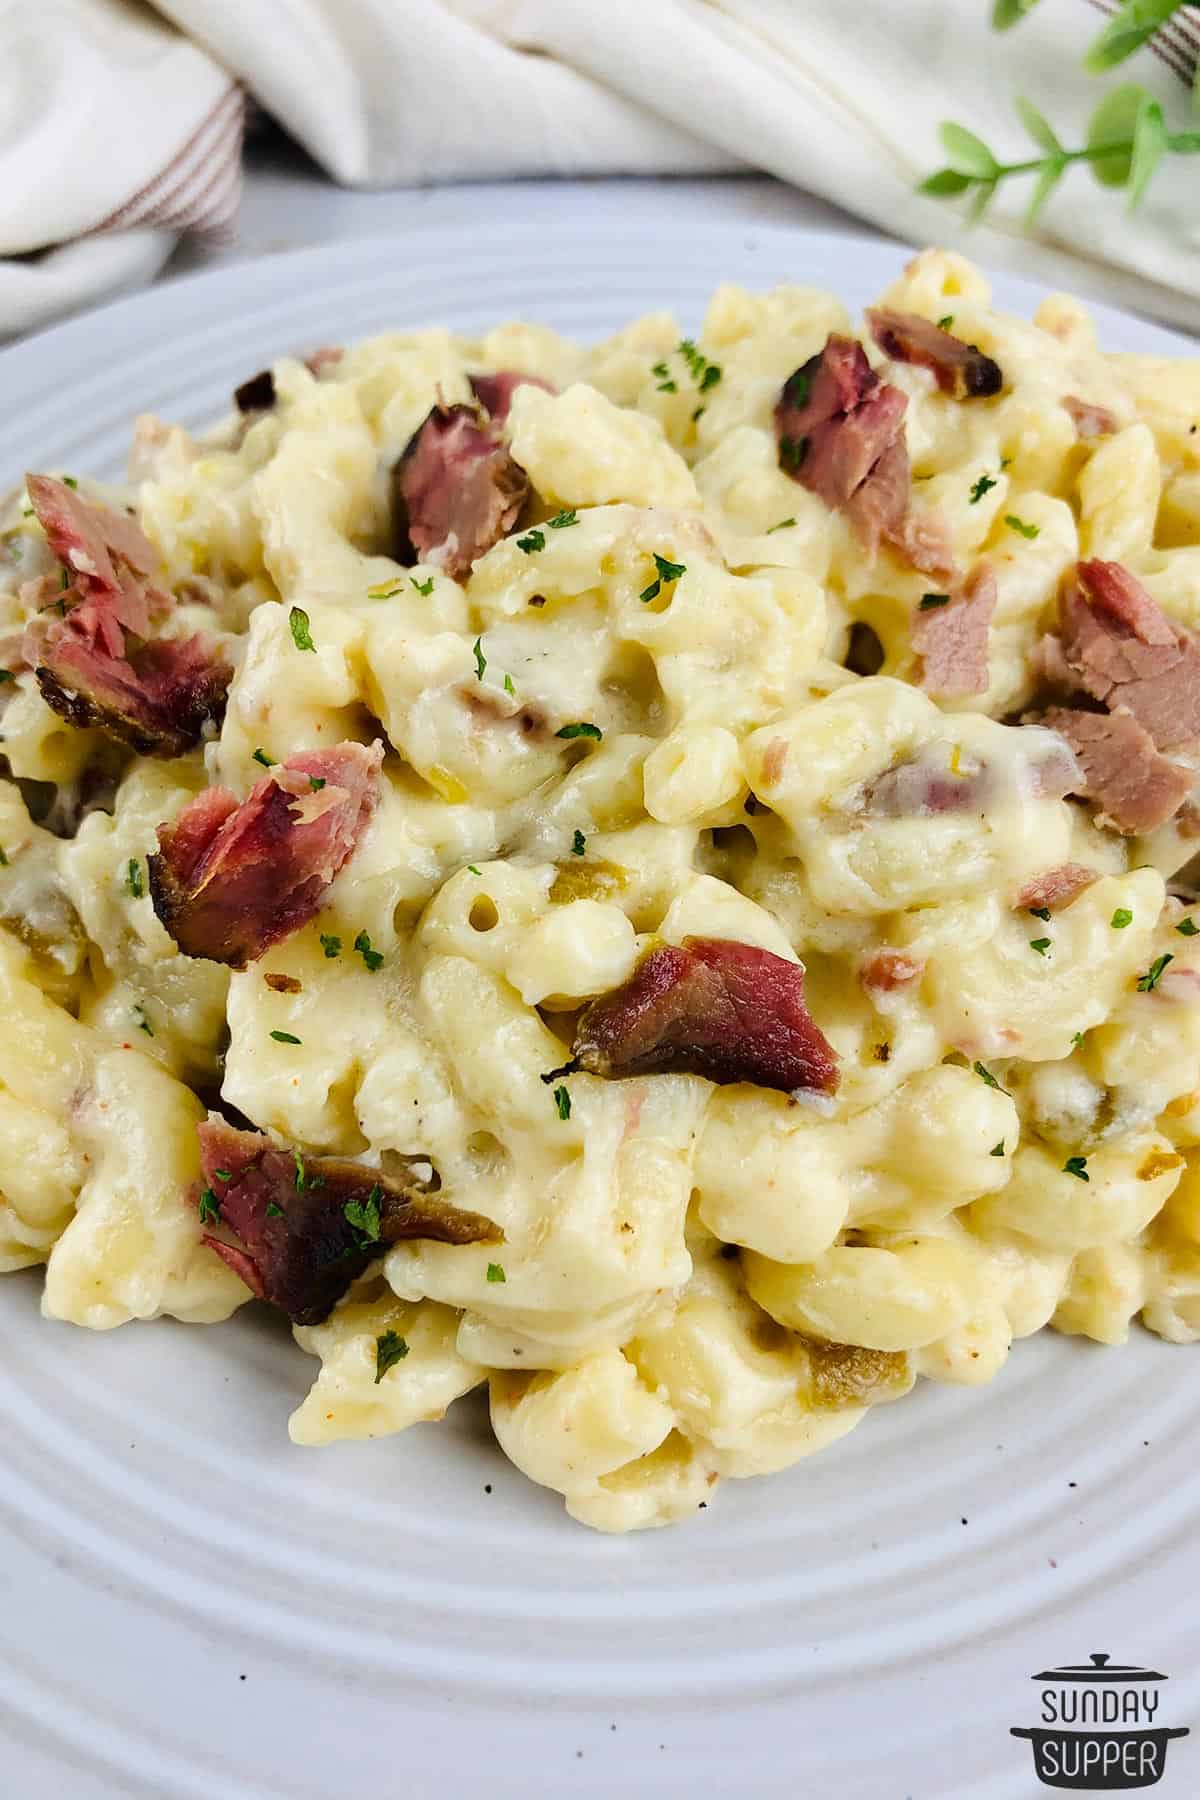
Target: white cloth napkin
[[120, 127]]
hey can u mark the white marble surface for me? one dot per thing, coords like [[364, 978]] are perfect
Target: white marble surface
[[289, 204]]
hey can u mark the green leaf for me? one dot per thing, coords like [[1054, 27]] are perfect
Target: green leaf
[[390, 1349], [1047, 181], [1149, 148], [301, 635], [968, 153], [945, 181], [1037, 126], [1006, 13], [980, 200], [1127, 31], [1115, 122]]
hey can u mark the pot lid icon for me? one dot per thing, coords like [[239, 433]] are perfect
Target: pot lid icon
[[1099, 1669]]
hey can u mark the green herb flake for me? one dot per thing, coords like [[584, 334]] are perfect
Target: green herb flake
[[495, 1272], [285, 1037], [260, 756], [533, 540], [666, 387], [563, 521], [480, 658], [985, 1074], [798, 386], [143, 1023], [1077, 1166], [1015, 524], [390, 1349], [1041, 945], [1121, 918], [929, 602], [1187, 928], [669, 571], [209, 1207], [1039, 912], [424, 588], [945, 322], [316, 783], [473, 869], [780, 525], [372, 958], [7, 675], [223, 1175], [3, 858], [1077, 1038], [274, 1210], [650, 593], [385, 590], [331, 945], [981, 487], [997, 1149], [562, 1101], [300, 1176], [660, 369], [792, 452], [582, 729], [578, 844], [133, 878], [1154, 974], [301, 635], [509, 687], [699, 413], [363, 1215]]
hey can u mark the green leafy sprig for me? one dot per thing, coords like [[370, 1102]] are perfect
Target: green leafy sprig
[[1126, 141]]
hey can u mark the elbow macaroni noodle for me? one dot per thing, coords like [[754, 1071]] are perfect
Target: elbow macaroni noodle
[[696, 1281]]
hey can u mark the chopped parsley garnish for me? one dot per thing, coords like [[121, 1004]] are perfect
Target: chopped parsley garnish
[[1077, 1038], [301, 1178], [284, 1037], [143, 1023], [699, 412], [260, 756], [703, 373], [385, 590], [945, 322], [1187, 928], [798, 386], [331, 945], [928, 602], [1077, 1166], [792, 451], [981, 487], [997, 1149], [667, 571], [985, 1074], [562, 520], [133, 878], [316, 783], [495, 1272], [780, 525], [222, 1175], [389, 1350], [578, 844], [372, 958], [363, 1215], [301, 635], [562, 1101], [7, 675], [1121, 918], [209, 1207], [480, 658], [1154, 974], [274, 1210], [663, 375], [1041, 945], [508, 686], [1015, 524], [424, 588], [1040, 912], [583, 729], [473, 869], [533, 540]]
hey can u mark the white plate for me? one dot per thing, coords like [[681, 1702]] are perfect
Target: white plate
[[190, 1606]]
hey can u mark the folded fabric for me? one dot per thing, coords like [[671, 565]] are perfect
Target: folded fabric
[[127, 125]]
